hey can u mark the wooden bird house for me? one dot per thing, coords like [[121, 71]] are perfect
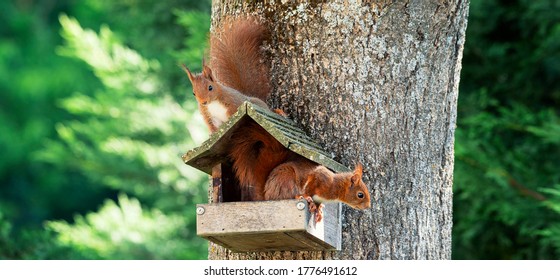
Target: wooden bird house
[[245, 226]]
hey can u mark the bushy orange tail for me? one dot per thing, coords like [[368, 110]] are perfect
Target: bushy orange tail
[[237, 59], [255, 153]]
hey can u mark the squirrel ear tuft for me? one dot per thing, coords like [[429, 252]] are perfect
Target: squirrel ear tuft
[[189, 74], [359, 169], [207, 73], [357, 173]]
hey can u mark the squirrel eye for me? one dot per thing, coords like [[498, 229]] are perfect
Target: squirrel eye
[[193, 93], [210, 87], [360, 195]]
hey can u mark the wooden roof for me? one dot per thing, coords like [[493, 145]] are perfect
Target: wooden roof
[[213, 150]]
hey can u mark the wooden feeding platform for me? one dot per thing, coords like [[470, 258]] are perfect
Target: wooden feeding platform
[[274, 225], [246, 226]]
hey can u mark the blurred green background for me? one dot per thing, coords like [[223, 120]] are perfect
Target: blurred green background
[[95, 113]]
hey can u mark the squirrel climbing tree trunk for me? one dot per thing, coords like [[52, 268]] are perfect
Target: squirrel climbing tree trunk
[[374, 82]]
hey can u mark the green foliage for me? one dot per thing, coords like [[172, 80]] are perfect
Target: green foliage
[[127, 132], [129, 136], [551, 234], [32, 79], [31, 244], [170, 31], [507, 138], [98, 117], [126, 231]]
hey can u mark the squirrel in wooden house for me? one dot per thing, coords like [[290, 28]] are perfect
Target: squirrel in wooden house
[[302, 178], [263, 166]]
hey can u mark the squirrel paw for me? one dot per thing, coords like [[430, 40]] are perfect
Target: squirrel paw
[[313, 208], [281, 113]]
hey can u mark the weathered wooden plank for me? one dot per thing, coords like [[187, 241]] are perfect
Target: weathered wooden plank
[[329, 230], [246, 217], [280, 127], [213, 150], [269, 226], [271, 241], [292, 137]]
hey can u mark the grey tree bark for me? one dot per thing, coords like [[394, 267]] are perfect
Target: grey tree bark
[[374, 82]]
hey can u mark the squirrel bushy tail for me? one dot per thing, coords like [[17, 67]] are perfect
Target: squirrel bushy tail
[[254, 155], [237, 59], [237, 72]]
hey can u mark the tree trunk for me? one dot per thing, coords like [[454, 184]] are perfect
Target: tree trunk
[[374, 82]]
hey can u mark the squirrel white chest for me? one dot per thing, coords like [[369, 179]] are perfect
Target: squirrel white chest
[[218, 112]]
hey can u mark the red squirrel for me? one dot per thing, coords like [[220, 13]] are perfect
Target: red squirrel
[[237, 71], [216, 102], [302, 178]]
